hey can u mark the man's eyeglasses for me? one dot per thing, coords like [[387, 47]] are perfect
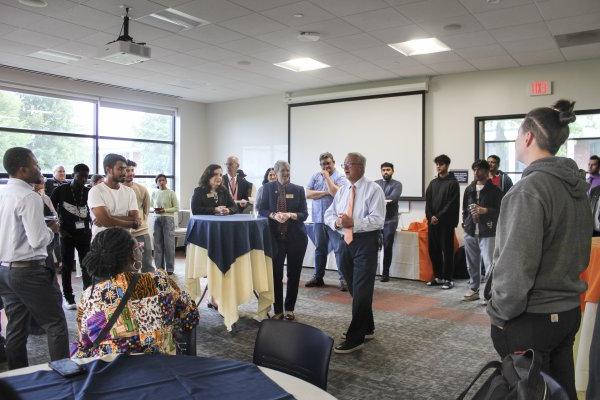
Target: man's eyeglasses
[[348, 165]]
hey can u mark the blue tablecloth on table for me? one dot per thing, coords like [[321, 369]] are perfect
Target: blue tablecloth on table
[[228, 237], [133, 377]]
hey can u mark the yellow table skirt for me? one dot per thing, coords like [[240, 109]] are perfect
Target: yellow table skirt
[[250, 272]]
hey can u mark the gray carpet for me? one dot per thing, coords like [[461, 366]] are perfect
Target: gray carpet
[[428, 345]]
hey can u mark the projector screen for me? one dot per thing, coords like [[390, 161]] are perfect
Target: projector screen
[[383, 128]]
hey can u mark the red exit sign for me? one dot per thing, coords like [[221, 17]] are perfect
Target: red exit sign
[[540, 88]]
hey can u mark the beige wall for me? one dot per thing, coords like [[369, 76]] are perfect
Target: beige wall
[[452, 103]]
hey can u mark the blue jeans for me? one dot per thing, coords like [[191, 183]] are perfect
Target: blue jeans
[[324, 235], [164, 243]]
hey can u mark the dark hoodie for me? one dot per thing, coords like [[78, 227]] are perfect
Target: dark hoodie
[[543, 242], [442, 200]]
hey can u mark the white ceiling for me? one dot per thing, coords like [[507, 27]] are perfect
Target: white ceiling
[[203, 64]]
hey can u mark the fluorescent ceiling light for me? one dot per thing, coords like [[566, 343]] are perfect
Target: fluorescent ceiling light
[[420, 46], [179, 18], [302, 64], [56, 56]]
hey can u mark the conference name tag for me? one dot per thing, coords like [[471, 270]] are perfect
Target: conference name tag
[[210, 195], [289, 196], [79, 225]]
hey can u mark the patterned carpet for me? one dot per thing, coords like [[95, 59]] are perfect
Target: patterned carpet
[[428, 345]]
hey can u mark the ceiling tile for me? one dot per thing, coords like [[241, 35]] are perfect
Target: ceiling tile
[[139, 31], [378, 53], [160, 52], [432, 9], [212, 53], [33, 38], [539, 57], [339, 59], [482, 51], [261, 5], [287, 39], [277, 55], [452, 67], [400, 34], [181, 60], [77, 48], [574, 24], [438, 58], [477, 6], [334, 75], [526, 31], [213, 34], [171, 3], [98, 39], [330, 28], [368, 71], [397, 64], [8, 46], [532, 44], [470, 39], [248, 46], [378, 19], [354, 42], [582, 52], [509, 16], [61, 29], [311, 13], [420, 70], [348, 7], [89, 17], [213, 10], [54, 7], [177, 43], [496, 62], [138, 8], [160, 24], [253, 24], [16, 17], [4, 28], [468, 23], [553, 9]]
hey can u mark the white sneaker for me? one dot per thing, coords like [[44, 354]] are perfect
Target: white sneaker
[[471, 295], [70, 306]]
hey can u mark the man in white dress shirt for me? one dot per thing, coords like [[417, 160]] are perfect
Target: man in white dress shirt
[[358, 214], [28, 288]]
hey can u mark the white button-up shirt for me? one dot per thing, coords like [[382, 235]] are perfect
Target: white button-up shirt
[[23, 231], [369, 206]]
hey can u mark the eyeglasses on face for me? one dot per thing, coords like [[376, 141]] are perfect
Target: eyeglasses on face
[[349, 164]]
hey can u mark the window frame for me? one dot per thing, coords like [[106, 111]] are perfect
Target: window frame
[[96, 136]]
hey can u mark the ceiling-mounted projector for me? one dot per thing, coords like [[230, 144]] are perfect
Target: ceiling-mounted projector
[[124, 50]]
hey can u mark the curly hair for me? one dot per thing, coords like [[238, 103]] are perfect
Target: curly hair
[[109, 253], [208, 173]]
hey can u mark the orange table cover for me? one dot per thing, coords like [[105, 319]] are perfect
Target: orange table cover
[[425, 266], [592, 275]]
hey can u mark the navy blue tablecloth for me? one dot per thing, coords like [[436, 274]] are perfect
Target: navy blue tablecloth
[[229, 237], [153, 377]]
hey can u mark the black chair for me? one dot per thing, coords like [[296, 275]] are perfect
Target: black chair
[[293, 348]]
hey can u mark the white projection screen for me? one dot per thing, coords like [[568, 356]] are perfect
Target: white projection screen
[[382, 128]]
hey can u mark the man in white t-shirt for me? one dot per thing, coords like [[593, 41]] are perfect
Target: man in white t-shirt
[[112, 204]]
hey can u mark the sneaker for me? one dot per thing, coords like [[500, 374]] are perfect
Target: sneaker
[[315, 282], [368, 336], [70, 305], [384, 278], [484, 302], [435, 282], [277, 316], [448, 285], [346, 348], [471, 295], [289, 316], [343, 286]]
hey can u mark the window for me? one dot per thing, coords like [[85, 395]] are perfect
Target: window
[[62, 130], [496, 135]]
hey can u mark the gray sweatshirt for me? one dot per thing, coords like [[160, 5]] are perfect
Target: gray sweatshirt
[[543, 242]]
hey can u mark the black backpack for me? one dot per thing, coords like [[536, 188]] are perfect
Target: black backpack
[[517, 377]]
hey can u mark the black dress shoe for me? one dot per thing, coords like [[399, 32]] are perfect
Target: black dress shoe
[[346, 348], [384, 278], [343, 286], [315, 282]]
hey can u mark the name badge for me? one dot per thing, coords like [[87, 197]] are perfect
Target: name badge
[[79, 225], [210, 195], [553, 317], [289, 196]]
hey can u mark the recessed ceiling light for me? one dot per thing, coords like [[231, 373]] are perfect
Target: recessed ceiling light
[[298, 15], [56, 56], [302, 64], [179, 18], [34, 3], [452, 27], [420, 46]]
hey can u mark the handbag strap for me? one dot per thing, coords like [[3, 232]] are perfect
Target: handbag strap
[[118, 311], [496, 365]]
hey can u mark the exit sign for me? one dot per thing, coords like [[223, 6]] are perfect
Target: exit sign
[[540, 88]]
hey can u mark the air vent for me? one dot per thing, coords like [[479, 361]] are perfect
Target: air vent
[[178, 18], [89, 82], [578, 38]]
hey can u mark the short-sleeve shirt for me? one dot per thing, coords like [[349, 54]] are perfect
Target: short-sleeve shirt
[[118, 202], [317, 182]]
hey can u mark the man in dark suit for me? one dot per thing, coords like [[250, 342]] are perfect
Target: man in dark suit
[[392, 190], [285, 205], [235, 181]]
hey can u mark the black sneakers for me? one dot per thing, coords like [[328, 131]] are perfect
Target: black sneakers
[[346, 348], [315, 282]]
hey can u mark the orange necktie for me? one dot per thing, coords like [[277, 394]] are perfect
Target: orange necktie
[[349, 210]]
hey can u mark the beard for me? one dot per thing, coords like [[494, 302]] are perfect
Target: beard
[[387, 177]]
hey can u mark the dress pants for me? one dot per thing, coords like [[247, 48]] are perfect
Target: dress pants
[[552, 341], [389, 234], [359, 266], [441, 250], [323, 236], [147, 253], [164, 243], [69, 242], [293, 249], [31, 291]]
